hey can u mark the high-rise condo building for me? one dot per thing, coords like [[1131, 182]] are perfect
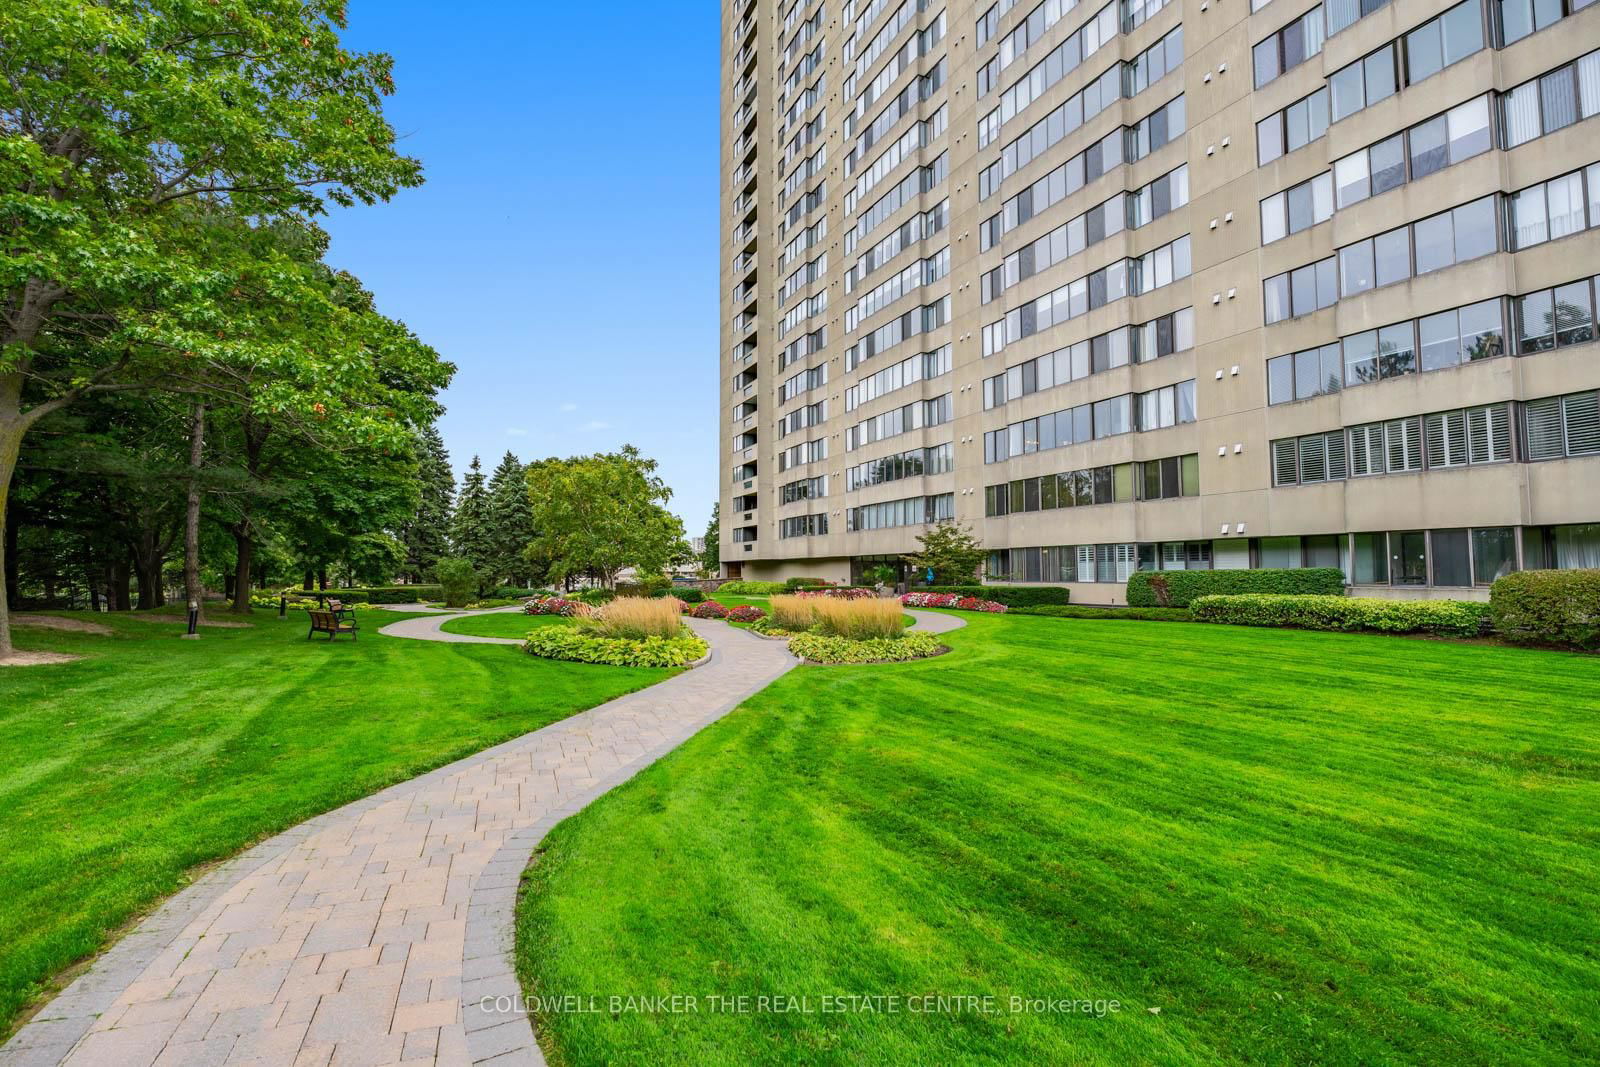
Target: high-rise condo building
[[1162, 285]]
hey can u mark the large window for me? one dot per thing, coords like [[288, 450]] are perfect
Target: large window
[[1301, 375], [1442, 141], [1418, 55], [1516, 19], [1554, 318], [1153, 410], [1461, 335], [1317, 457], [1106, 351], [1552, 101], [803, 526], [917, 463], [1553, 209], [1439, 241], [1561, 426], [1289, 47], [1297, 208], [1293, 128], [1156, 479], [913, 511], [1301, 291]]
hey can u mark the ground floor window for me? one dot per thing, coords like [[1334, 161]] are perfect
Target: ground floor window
[[1561, 547]]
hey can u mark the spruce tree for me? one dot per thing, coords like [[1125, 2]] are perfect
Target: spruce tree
[[427, 535], [510, 524], [469, 533]]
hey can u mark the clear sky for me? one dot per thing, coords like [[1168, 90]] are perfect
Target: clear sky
[[563, 253]]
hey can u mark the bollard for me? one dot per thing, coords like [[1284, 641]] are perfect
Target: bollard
[[194, 620], [283, 606]]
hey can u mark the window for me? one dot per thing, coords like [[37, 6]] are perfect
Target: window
[[1439, 142], [1494, 554], [1392, 447], [1139, 344], [1371, 559], [1452, 560], [1553, 209], [1293, 128], [1363, 83], [1289, 47], [1555, 427], [1441, 240], [1300, 291], [1318, 457], [1297, 208], [1551, 102], [1552, 318], [913, 511], [803, 526], [1408, 558], [1303, 374]]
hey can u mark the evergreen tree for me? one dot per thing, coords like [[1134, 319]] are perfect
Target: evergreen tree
[[510, 525], [469, 533], [711, 558], [427, 536]]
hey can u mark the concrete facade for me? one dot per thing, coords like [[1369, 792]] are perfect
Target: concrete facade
[[829, 107]]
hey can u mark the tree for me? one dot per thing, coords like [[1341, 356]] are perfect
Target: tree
[[121, 125], [469, 530], [711, 558], [600, 514], [951, 552], [460, 581], [426, 536], [510, 526]]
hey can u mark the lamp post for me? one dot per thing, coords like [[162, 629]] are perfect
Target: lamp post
[[194, 619], [283, 606]]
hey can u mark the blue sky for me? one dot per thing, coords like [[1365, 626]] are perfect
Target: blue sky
[[563, 253]]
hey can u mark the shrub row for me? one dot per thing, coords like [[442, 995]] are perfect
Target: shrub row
[[838, 592], [820, 648], [1548, 607], [689, 595], [738, 587], [1461, 618], [652, 585], [791, 585], [377, 594], [1080, 611], [1012, 596], [568, 643], [1178, 589]]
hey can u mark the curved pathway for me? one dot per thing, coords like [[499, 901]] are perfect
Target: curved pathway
[[430, 627], [381, 932]]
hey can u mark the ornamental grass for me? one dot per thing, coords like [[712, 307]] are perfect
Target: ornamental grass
[[858, 620], [792, 612], [635, 617]]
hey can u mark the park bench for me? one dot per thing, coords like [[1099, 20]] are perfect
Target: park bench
[[344, 613], [326, 622]]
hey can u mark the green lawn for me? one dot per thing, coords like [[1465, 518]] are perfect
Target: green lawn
[[502, 624], [1299, 847], [122, 771]]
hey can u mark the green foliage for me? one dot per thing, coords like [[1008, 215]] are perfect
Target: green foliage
[[471, 538], [711, 558], [792, 585], [740, 587], [602, 513], [820, 648], [508, 520], [569, 643], [1177, 589], [459, 579], [1548, 607], [650, 585], [1012, 596], [1462, 618], [953, 554], [687, 594], [883, 574], [515, 591], [426, 535], [403, 594], [593, 596], [1077, 611]]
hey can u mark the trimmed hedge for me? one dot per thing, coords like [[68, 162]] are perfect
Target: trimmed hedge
[[687, 595], [1012, 596], [739, 587], [1078, 611], [1178, 589], [1459, 618], [376, 594], [1548, 607], [595, 597], [793, 584], [819, 648], [566, 642]]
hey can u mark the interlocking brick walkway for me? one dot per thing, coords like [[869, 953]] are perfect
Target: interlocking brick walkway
[[381, 932]]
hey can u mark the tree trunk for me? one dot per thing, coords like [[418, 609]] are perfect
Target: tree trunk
[[94, 583], [244, 562], [10, 447], [322, 576], [121, 572], [309, 579], [191, 518]]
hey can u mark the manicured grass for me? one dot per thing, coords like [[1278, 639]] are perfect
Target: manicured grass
[[501, 624], [1299, 847], [124, 770]]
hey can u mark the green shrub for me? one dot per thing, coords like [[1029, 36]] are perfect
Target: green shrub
[[512, 592], [743, 588], [493, 602], [820, 648], [593, 596], [649, 585], [1548, 607], [1012, 596], [689, 595], [1462, 618], [569, 643], [1178, 589], [459, 580], [401, 594], [792, 585], [1078, 611]]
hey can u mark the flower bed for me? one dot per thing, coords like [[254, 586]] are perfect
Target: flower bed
[[562, 642], [839, 593], [746, 613], [554, 605], [766, 626], [819, 648], [709, 609], [951, 600]]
